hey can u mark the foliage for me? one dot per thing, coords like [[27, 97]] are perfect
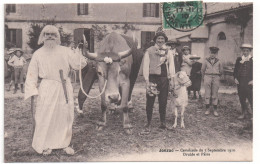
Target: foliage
[[126, 27], [99, 32]]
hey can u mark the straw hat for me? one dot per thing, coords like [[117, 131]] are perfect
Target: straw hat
[[245, 45], [194, 57]]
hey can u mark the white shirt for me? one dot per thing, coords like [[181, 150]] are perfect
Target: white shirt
[[17, 62]]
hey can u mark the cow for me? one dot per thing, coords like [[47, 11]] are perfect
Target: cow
[[113, 66]]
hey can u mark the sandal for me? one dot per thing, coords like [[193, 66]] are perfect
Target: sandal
[[69, 151]]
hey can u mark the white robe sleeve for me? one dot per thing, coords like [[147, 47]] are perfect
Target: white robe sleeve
[[32, 79], [76, 59]]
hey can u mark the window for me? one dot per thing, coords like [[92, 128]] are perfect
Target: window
[[146, 38], [151, 10], [82, 9], [14, 37], [221, 36], [10, 8]]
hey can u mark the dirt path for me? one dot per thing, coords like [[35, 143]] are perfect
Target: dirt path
[[113, 144]]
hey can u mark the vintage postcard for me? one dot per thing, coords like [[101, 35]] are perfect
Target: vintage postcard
[[161, 81]]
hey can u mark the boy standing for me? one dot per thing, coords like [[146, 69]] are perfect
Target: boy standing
[[211, 72], [18, 62], [243, 74], [11, 54]]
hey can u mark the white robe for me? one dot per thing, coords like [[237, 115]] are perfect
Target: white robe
[[53, 116]]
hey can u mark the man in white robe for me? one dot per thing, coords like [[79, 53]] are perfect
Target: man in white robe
[[53, 115]]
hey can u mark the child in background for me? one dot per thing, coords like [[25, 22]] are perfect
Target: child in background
[[18, 62], [211, 72], [195, 76], [11, 54], [186, 64]]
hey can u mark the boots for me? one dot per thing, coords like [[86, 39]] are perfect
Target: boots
[[242, 116], [194, 95], [215, 111], [22, 89], [207, 110], [15, 88], [10, 85]]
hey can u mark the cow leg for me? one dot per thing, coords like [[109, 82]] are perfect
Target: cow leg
[[103, 120], [182, 116], [124, 106], [175, 117]]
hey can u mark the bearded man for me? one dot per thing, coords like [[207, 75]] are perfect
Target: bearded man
[[54, 111]]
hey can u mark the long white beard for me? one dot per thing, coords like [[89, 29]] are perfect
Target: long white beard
[[50, 44]]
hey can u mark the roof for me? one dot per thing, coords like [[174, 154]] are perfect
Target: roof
[[218, 7], [201, 33]]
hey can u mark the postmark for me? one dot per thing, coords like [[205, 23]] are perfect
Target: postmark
[[183, 16]]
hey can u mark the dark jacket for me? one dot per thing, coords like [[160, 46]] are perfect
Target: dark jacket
[[195, 76], [178, 61], [238, 68]]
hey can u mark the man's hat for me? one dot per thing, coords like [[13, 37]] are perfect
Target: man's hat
[[161, 33], [185, 48], [173, 42], [213, 49], [245, 45], [194, 57]]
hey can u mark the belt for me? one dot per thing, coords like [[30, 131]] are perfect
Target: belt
[[216, 74], [18, 66], [155, 75]]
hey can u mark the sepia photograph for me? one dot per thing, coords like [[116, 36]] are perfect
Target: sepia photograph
[[128, 82]]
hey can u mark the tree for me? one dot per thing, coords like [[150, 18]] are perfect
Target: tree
[[35, 30]]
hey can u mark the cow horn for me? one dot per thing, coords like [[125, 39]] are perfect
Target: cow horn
[[124, 54], [91, 56]]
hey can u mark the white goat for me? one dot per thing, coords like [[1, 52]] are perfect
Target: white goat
[[182, 81]]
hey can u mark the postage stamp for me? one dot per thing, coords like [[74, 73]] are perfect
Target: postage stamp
[[183, 16]]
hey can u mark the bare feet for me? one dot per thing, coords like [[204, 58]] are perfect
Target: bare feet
[[46, 152], [69, 151]]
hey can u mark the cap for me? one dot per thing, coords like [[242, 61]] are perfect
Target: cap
[[214, 49]]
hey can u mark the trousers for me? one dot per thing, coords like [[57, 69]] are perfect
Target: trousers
[[245, 91], [162, 86], [211, 84], [18, 75]]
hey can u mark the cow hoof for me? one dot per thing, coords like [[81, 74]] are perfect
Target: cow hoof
[[182, 126], [129, 131]]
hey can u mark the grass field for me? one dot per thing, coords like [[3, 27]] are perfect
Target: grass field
[[113, 144]]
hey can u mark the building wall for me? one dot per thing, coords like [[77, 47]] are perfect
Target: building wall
[[124, 12]]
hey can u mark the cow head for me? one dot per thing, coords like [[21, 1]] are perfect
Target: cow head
[[108, 69]]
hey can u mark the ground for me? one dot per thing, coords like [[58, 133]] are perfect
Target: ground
[[112, 144]]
